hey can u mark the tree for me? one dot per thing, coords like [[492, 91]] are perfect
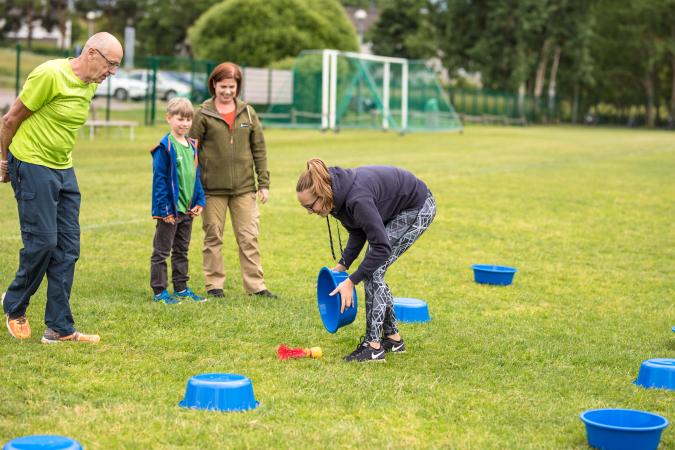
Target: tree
[[403, 29], [161, 25], [259, 32], [515, 44], [630, 47]]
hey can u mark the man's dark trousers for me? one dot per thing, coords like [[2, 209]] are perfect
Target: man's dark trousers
[[49, 210]]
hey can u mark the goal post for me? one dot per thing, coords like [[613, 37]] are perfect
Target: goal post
[[332, 89]]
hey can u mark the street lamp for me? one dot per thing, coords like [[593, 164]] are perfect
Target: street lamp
[[91, 17], [360, 15]]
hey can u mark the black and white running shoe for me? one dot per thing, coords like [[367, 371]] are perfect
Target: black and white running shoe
[[390, 345], [365, 353]]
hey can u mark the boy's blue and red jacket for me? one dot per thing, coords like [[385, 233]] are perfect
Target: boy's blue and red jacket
[[165, 186]]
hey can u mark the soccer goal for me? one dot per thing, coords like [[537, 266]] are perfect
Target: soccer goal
[[333, 89]]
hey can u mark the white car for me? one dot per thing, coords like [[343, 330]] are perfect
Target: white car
[[122, 87], [166, 87]]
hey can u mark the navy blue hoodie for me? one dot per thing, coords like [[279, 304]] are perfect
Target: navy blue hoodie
[[364, 200]]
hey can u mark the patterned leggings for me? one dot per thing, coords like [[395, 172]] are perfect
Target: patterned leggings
[[402, 231]]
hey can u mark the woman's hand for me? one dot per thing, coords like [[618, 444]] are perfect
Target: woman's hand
[[339, 268], [345, 290], [263, 195], [169, 220], [197, 210]]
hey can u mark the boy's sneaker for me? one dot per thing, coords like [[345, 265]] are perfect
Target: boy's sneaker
[[365, 353], [18, 327], [187, 294], [393, 346], [53, 337], [166, 298], [216, 293]]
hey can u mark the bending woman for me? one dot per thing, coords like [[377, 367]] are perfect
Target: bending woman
[[389, 208]]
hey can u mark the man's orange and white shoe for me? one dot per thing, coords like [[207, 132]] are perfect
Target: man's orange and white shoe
[[17, 327], [52, 337]]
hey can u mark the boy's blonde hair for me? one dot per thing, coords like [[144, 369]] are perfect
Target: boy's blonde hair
[[179, 106]]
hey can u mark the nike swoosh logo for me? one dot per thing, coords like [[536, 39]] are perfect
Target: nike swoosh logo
[[396, 348], [376, 355]]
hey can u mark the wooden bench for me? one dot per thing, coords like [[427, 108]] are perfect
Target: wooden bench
[[93, 124]]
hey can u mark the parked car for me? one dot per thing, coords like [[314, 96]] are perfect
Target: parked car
[[166, 87], [122, 87], [198, 81]]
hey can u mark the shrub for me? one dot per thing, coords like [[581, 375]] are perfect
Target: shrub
[[259, 32]]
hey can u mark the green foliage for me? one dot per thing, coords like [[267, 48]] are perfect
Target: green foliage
[[161, 25], [505, 41], [403, 29], [357, 3], [633, 48], [164, 24], [283, 64], [584, 214], [262, 32], [49, 14]]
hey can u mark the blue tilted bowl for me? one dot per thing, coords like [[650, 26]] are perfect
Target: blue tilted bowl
[[411, 310], [490, 274], [623, 429], [657, 373], [329, 306], [42, 442], [220, 392]]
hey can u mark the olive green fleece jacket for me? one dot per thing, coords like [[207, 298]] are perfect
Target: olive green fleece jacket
[[230, 161]]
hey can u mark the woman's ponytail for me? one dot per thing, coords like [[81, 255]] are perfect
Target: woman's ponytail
[[317, 179]]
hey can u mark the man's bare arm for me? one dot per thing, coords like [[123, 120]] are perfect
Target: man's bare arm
[[10, 124]]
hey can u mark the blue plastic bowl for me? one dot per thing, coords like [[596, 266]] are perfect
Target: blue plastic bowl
[[623, 429], [220, 392], [411, 310], [490, 274], [329, 307], [42, 442], [657, 373]]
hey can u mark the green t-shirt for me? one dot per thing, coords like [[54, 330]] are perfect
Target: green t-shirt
[[187, 173], [60, 104]]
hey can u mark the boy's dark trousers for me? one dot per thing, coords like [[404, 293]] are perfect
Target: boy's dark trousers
[[175, 240], [49, 214]]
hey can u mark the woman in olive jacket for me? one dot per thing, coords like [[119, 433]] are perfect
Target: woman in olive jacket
[[233, 161]]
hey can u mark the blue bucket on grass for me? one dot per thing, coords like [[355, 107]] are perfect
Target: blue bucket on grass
[[657, 373], [219, 392], [42, 442], [329, 307], [623, 429], [411, 310], [491, 274]]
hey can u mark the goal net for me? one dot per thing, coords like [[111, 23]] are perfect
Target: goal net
[[331, 89]]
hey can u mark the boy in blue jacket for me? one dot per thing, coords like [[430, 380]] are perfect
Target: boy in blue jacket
[[177, 197]]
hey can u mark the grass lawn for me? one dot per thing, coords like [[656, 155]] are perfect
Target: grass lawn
[[586, 215], [29, 61]]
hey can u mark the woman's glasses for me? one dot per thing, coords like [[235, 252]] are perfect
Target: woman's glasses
[[310, 208]]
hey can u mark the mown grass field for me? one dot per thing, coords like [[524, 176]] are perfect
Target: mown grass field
[[586, 215]]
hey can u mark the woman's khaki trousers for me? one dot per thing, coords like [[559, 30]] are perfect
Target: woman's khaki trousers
[[245, 218]]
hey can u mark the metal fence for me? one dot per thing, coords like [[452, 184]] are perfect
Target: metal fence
[[485, 105], [275, 87]]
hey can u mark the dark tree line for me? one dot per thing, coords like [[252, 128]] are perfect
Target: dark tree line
[[589, 52]]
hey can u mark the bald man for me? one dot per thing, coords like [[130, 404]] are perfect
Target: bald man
[[36, 140]]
